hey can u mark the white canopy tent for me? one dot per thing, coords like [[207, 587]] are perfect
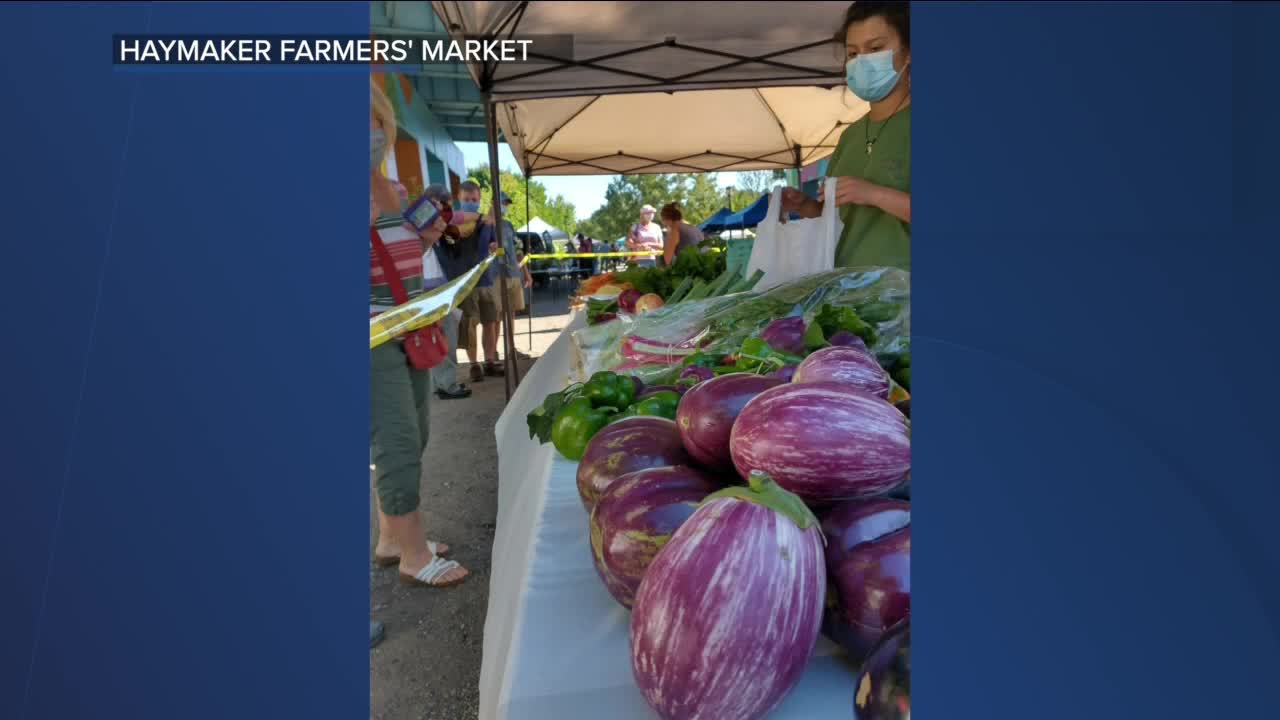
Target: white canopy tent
[[540, 226], [665, 87], [659, 87]]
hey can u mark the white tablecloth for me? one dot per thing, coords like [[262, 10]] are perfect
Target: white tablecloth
[[555, 642]]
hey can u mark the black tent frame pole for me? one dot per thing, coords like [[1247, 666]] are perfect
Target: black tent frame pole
[[510, 378], [528, 220]]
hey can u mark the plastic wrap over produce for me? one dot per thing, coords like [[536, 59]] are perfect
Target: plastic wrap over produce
[[649, 345], [426, 309]]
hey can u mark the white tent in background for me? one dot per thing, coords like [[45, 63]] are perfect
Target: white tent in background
[[540, 226], [666, 87]]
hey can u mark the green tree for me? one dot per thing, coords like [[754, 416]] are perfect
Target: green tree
[[703, 197], [623, 199], [760, 181]]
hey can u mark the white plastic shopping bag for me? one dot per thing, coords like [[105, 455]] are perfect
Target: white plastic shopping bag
[[789, 251]]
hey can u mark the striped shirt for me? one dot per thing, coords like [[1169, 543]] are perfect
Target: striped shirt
[[405, 248]]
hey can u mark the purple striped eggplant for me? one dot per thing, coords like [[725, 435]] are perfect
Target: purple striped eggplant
[[845, 364], [785, 335], [785, 373], [631, 444], [707, 412], [883, 688], [868, 571], [825, 442], [844, 338], [636, 516], [728, 613]]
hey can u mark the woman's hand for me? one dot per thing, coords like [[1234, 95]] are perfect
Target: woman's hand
[[795, 201], [431, 234], [851, 191], [856, 191]]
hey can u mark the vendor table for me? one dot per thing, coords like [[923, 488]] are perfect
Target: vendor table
[[555, 642]]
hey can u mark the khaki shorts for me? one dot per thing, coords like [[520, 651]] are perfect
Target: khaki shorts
[[488, 302], [515, 295]]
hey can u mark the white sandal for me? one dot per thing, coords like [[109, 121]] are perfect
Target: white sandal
[[389, 560], [426, 577]]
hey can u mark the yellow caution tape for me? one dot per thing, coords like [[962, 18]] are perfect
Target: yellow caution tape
[[426, 309], [557, 256]]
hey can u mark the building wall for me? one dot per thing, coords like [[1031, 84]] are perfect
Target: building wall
[[409, 166]]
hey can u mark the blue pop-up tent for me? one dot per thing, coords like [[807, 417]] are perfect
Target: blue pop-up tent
[[715, 223], [749, 217]]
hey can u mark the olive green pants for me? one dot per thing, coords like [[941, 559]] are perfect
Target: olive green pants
[[399, 416]]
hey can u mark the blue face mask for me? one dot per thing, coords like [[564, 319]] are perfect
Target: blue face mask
[[469, 207], [871, 76], [377, 148]]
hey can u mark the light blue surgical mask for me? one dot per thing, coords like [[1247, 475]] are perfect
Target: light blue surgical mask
[[469, 207], [871, 76], [377, 148]]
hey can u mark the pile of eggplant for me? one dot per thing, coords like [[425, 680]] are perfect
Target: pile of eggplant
[[770, 511]]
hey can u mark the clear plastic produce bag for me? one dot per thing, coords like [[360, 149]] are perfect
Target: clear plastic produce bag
[[650, 343], [881, 296]]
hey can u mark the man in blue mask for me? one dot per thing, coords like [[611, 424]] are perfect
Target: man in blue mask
[[508, 266], [478, 309], [872, 160]]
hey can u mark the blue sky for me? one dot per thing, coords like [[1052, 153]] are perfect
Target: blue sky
[[586, 192]]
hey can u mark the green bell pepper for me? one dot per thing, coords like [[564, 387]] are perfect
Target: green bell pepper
[[576, 422], [659, 404], [606, 389]]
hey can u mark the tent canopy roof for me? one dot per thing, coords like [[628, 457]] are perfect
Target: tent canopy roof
[[714, 220], [539, 226], [665, 87], [750, 216]]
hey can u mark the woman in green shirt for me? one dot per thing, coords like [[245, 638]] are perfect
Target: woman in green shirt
[[872, 160]]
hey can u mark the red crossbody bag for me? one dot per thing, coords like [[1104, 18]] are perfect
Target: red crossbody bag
[[427, 347]]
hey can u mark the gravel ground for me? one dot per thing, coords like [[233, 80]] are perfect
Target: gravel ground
[[428, 667]]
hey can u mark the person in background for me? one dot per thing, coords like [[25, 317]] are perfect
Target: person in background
[[467, 212], [872, 160], [526, 282], [444, 377], [680, 234], [645, 236], [478, 309], [507, 265], [586, 266], [399, 406]]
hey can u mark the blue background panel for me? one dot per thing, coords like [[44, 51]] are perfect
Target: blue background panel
[[186, 391], [1094, 490]]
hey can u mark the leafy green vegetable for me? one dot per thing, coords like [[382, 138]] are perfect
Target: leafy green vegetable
[[703, 359], [814, 338], [877, 312], [541, 419], [688, 263], [834, 319], [757, 357], [599, 306], [680, 291], [746, 284], [719, 284], [699, 290]]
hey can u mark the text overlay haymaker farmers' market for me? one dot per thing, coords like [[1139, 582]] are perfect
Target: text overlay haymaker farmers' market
[[335, 50]]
